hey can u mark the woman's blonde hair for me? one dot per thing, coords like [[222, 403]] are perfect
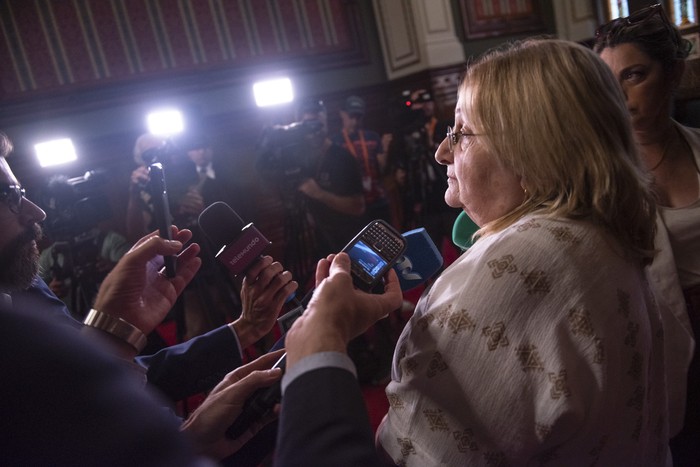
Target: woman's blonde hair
[[552, 112]]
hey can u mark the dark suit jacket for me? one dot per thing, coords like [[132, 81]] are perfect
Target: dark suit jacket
[[324, 422], [64, 402], [178, 371], [194, 366]]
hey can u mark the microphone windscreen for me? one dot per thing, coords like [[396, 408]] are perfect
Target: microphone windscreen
[[220, 224], [462, 231], [420, 261]]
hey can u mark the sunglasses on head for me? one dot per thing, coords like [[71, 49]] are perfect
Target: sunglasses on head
[[635, 18], [12, 195]]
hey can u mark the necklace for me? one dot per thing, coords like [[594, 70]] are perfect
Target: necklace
[[663, 155]]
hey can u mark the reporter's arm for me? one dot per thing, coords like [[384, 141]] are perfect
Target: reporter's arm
[[194, 366], [200, 363], [324, 421], [353, 205], [332, 427]]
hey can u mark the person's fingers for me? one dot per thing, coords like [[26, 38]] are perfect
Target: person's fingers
[[340, 264], [184, 235], [241, 390], [150, 248], [391, 282], [237, 394], [268, 275], [188, 253], [282, 294], [184, 272], [144, 239], [260, 363], [322, 269], [279, 280], [256, 268]]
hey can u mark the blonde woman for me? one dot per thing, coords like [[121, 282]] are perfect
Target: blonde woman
[[542, 344]]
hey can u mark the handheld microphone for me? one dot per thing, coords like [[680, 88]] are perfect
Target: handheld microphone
[[161, 211], [420, 261], [238, 245]]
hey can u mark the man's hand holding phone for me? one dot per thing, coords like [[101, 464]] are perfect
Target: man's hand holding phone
[[338, 311], [373, 252]]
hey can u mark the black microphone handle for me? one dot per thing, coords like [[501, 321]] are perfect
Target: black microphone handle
[[258, 405]]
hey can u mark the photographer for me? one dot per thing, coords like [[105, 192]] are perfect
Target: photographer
[[183, 185], [190, 176], [82, 252], [320, 184]]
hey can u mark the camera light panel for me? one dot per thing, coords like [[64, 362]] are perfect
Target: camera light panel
[[166, 122], [55, 152], [273, 92]]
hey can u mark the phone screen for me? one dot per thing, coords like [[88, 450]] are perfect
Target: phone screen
[[367, 258]]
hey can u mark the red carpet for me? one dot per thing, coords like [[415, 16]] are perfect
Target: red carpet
[[377, 404]]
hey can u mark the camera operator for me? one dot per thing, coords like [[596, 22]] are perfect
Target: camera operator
[[210, 299], [183, 185], [320, 184], [82, 252], [416, 182], [369, 149]]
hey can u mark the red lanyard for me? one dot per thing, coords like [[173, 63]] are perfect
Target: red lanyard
[[351, 147]]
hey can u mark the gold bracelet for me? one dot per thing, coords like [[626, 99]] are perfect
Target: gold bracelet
[[117, 327]]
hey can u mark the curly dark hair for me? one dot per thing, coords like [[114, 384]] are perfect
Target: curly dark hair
[[655, 35]]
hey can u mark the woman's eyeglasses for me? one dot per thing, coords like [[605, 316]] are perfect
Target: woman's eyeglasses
[[453, 138], [12, 195], [635, 18]]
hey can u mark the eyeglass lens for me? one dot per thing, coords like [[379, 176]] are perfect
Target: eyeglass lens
[[13, 195], [451, 139]]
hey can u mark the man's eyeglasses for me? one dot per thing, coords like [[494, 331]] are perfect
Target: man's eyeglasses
[[453, 138], [12, 195], [635, 18]]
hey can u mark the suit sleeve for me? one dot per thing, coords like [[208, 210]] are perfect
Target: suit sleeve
[[194, 366], [64, 401], [324, 422]]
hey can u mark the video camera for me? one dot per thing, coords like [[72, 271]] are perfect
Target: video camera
[[283, 152], [409, 115], [75, 205]]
